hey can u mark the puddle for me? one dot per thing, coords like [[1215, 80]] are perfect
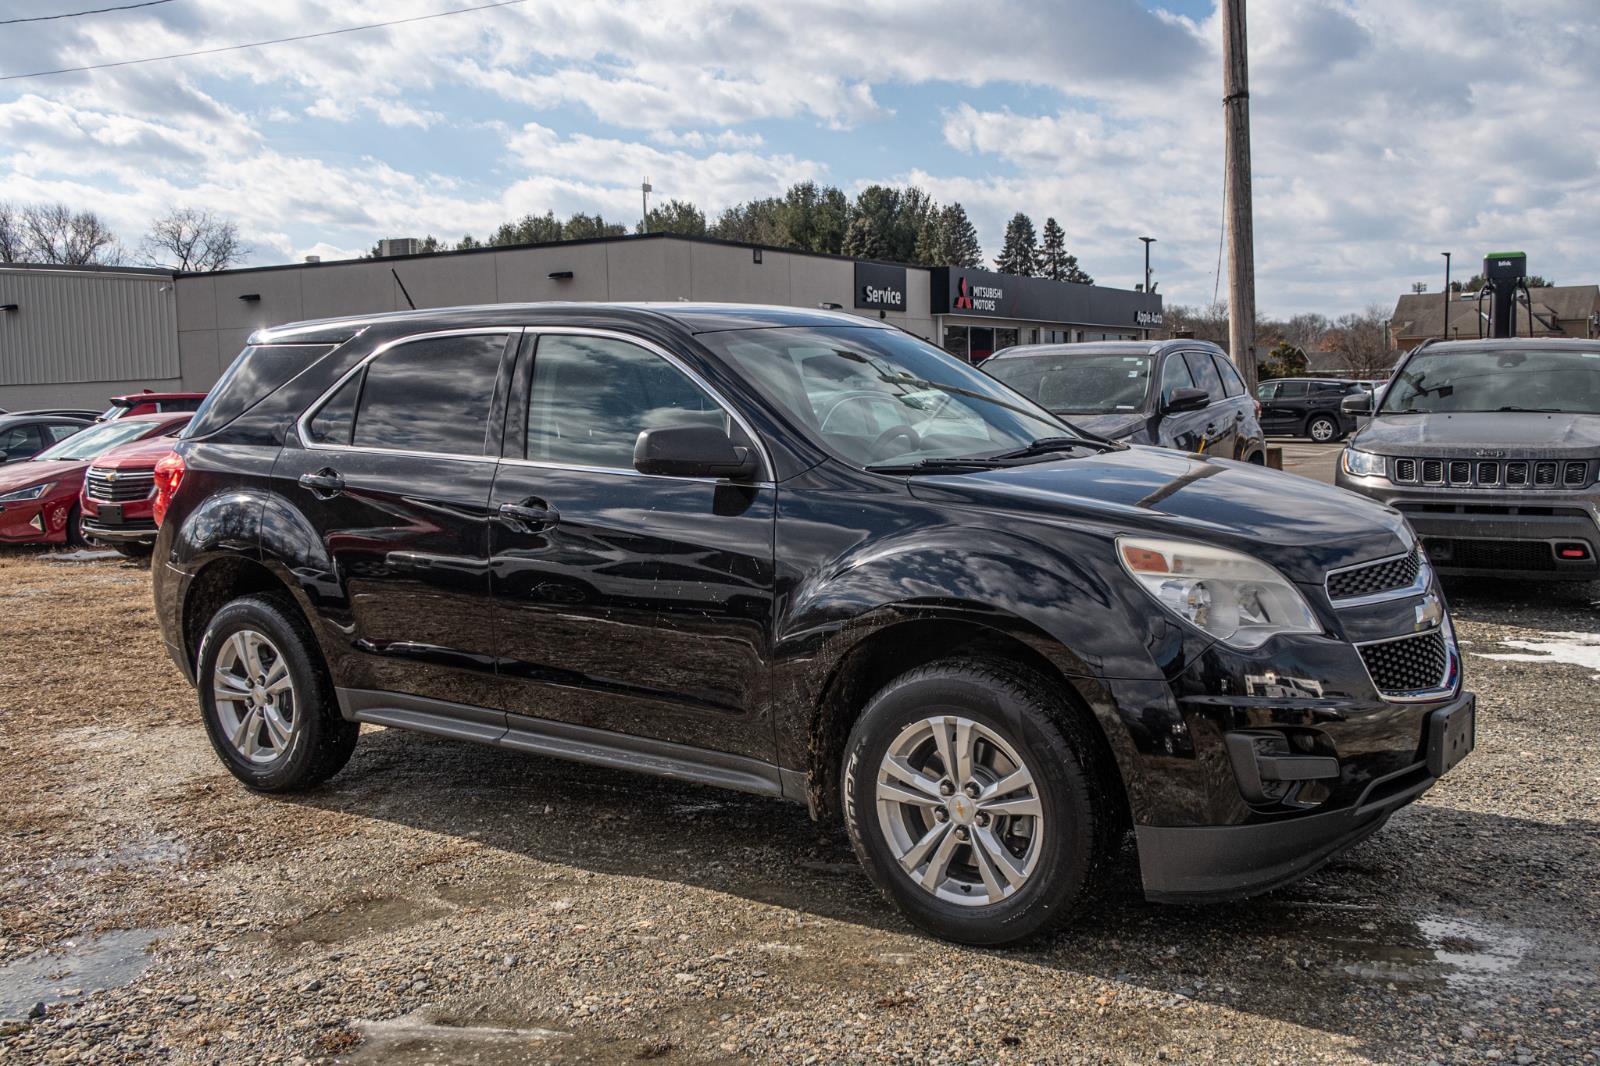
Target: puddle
[[426, 1036], [82, 966], [153, 851], [82, 556], [366, 916], [1577, 649]]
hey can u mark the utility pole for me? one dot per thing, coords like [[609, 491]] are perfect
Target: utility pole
[[1445, 333], [1241, 230], [644, 197]]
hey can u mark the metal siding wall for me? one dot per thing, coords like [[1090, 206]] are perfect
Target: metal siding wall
[[74, 326]]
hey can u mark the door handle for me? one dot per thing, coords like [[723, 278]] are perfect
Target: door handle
[[530, 517], [324, 484]]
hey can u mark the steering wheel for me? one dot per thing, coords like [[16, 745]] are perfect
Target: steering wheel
[[913, 440]]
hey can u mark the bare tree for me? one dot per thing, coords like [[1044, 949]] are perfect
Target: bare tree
[[54, 233], [1305, 331], [13, 243], [190, 240], [1361, 342]]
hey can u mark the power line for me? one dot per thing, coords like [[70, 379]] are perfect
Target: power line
[[260, 44], [75, 14]]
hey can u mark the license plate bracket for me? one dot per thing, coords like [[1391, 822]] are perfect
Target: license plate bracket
[[110, 514], [1452, 734]]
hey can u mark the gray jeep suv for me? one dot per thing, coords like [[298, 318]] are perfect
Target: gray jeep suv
[[1491, 448]]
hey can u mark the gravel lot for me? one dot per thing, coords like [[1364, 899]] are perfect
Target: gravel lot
[[443, 903]]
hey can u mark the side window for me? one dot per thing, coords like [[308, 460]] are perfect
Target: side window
[[1175, 375], [335, 419], [60, 431], [1293, 390], [592, 396], [19, 442], [430, 395], [1205, 373], [1232, 384]]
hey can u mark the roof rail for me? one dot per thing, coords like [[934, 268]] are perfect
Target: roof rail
[[1425, 342]]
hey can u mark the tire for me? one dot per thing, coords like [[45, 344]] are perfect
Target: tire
[[269, 758], [1323, 429], [1065, 850], [134, 550], [74, 530]]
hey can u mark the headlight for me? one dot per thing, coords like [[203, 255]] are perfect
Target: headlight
[[32, 492], [1240, 600], [1364, 464]]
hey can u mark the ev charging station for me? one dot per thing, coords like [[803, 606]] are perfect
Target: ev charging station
[[1505, 274]]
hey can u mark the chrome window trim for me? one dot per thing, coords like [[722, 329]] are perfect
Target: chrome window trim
[[1452, 667], [655, 349], [302, 424], [1419, 585]]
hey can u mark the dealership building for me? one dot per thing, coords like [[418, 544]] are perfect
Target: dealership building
[[73, 336]]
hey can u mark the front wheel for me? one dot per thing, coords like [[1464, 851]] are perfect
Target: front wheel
[[267, 701], [1322, 428], [133, 549], [974, 802]]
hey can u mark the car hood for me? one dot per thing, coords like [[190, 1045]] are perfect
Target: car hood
[[1302, 527], [14, 476], [1114, 425], [140, 455], [1519, 434]]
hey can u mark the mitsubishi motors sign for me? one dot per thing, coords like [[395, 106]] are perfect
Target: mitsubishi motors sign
[[966, 291]]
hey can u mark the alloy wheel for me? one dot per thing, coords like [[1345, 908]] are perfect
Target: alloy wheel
[[255, 697], [960, 810], [1322, 431]]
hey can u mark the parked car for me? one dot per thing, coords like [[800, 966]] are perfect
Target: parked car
[[990, 644], [26, 434], [1182, 394], [148, 402], [118, 498], [1306, 407], [39, 496], [1491, 448], [64, 412]]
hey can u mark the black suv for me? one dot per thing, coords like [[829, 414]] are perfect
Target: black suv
[[1307, 407], [1182, 394], [807, 556]]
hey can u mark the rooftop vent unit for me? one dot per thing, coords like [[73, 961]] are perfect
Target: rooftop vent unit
[[398, 246]]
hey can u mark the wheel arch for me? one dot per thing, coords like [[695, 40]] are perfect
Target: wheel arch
[[217, 584]]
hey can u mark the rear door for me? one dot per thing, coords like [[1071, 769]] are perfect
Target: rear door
[[393, 474], [628, 602], [1238, 406], [1219, 428]]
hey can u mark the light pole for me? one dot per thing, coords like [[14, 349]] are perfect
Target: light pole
[[1445, 332], [644, 196], [1148, 241]]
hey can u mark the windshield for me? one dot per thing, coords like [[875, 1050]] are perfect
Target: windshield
[[877, 396], [1077, 383], [1507, 379], [91, 442]]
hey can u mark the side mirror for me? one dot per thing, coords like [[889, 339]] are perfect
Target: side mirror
[[692, 451], [1359, 403], [1186, 399]]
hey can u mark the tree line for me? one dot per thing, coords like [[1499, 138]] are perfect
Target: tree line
[[1358, 342], [899, 224], [184, 239]]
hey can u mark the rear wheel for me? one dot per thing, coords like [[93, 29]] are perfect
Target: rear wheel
[[267, 701], [1322, 428], [972, 800], [134, 550]]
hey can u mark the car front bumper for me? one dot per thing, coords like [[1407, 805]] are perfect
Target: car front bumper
[[1518, 535], [1191, 864]]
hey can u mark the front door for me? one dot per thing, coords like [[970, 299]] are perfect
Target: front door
[[1286, 410], [1219, 429], [393, 472], [1183, 430], [634, 603]]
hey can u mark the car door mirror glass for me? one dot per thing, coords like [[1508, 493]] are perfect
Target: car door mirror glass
[[1186, 399], [1357, 404], [692, 451]]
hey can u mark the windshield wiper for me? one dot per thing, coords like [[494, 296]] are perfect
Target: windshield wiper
[[1046, 445], [952, 464], [1531, 410]]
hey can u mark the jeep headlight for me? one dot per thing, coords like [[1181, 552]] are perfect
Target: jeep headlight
[[32, 492], [1238, 599], [1364, 464]]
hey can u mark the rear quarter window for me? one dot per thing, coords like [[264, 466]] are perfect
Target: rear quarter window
[[257, 373]]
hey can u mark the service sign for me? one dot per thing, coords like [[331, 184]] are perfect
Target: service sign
[[880, 287]]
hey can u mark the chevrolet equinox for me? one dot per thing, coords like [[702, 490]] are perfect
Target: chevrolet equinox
[[808, 556]]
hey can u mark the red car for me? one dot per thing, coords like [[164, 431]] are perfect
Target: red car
[[39, 496], [118, 498], [147, 403]]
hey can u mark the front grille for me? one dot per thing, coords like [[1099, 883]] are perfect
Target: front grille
[[1492, 554], [113, 486], [1369, 580], [1491, 473], [1410, 664]]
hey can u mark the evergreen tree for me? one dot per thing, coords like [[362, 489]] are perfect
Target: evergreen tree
[[863, 241], [676, 216], [813, 218], [530, 229], [753, 222], [1020, 253], [958, 239], [1053, 254], [930, 240], [582, 227], [467, 241]]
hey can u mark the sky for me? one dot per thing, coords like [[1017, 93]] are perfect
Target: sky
[[1384, 132]]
